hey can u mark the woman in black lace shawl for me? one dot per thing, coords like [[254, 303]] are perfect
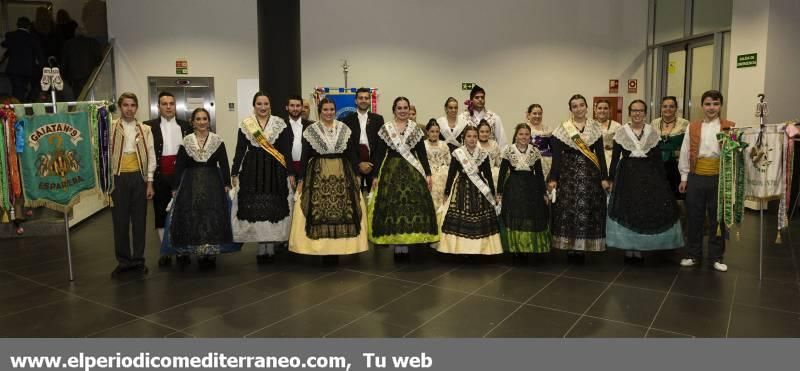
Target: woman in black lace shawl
[[642, 213], [401, 212], [261, 210], [200, 220], [579, 177], [330, 215]]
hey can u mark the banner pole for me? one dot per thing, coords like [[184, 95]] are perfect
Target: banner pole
[[52, 76], [761, 112]]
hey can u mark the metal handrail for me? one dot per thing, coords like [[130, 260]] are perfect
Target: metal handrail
[[107, 53]]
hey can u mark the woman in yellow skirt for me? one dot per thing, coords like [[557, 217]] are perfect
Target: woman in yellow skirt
[[329, 213]]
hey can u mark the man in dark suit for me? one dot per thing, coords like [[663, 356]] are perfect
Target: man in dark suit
[[168, 133], [294, 107], [364, 125], [24, 57]]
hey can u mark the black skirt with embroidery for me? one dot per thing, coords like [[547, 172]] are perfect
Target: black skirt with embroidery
[[262, 188], [469, 213], [331, 198]]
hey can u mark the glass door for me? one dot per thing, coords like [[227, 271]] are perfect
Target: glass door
[[688, 71], [701, 61], [675, 76]]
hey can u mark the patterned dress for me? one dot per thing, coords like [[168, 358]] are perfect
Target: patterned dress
[[439, 161], [329, 215], [541, 140], [200, 218], [524, 216], [469, 225], [262, 208], [579, 213], [401, 212]]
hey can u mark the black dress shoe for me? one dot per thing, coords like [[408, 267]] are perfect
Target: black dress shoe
[[205, 262], [183, 260], [116, 272], [401, 257], [265, 259], [165, 261], [142, 269], [576, 257], [330, 260]]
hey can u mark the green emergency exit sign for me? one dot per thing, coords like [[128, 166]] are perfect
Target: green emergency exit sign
[[746, 60], [467, 85]]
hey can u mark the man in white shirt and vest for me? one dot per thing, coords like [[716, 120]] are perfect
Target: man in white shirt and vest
[[295, 120], [168, 133], [477, 111], [133, 162], [699, 168]]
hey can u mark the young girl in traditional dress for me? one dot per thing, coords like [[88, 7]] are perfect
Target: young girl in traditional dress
[[602, 113], [402, 212], [521, 192], [469, 225], [490, 146], [451, 125], [540, 136], [330, 217], [439, 161]]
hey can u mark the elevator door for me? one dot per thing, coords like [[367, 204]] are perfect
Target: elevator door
[[190, 93]]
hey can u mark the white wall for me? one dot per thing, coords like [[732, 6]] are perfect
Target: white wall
[[783, 76], [770, 29], [749, 25], [218, 38], [520, 51]]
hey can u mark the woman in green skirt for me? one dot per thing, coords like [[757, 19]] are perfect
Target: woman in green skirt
[[521, 191], [401, 211], [672, 129]]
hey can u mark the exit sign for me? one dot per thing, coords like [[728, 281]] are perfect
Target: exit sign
[[181, 66], [467, 85], [746, 60]]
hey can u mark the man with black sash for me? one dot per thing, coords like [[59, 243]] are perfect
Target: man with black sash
[[364, 126], [168, 133]]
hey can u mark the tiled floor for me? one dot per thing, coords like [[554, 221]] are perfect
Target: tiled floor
[[370, 295]]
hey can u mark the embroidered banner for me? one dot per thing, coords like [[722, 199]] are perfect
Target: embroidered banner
[[58, 161]]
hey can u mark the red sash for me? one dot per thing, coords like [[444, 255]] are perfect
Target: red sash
[[167, 164], [363, 153], [296, 167]]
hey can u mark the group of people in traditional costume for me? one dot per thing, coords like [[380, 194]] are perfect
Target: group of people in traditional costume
[[332, 188]]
